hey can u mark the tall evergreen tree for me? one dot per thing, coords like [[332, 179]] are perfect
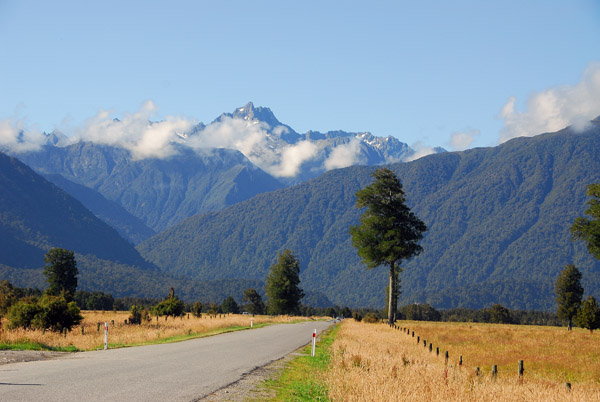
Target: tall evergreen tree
[[588, 230], [254, 302], [388, 231], [61, 272], [282, 285], [230, 306], [569, 292], [588, 316]]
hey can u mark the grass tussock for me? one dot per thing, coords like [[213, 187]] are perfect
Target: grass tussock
[[373, 362], [120, 334]]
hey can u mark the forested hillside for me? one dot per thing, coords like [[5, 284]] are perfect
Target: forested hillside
[[498, 223], [35, 216]]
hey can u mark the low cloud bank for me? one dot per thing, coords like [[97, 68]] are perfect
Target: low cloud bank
[[145, 138], [554, 108]]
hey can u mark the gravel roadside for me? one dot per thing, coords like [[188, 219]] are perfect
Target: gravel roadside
[[18, 356]]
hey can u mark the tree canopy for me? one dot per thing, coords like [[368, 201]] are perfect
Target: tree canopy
[[282, 285], [569, 292], [61, 271], [230, 306], [588, 316], [588, 230], [388, 231], [254, 302]]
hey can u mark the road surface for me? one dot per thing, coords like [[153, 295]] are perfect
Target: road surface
[[182, 371]]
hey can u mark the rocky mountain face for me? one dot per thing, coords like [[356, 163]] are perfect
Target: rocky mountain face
[[321, 151]]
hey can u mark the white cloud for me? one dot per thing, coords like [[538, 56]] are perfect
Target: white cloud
[[459, 141], [421, 150], [344, 155], [145, 138], [15, 137], [135, 132], [554, 108], [293, 157]]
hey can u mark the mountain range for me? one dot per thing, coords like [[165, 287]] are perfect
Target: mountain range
[[210, 221], [143, 196], [498, 222]]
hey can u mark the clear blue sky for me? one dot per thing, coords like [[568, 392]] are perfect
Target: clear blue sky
[[419, 71]]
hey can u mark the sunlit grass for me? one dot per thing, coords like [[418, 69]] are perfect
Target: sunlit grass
[[120, 334], [549, 353], [373, 362]]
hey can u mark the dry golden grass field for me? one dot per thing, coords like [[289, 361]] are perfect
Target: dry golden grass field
[[373, 362], [120, 334]]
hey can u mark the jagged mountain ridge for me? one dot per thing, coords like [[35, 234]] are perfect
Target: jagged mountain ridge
[[366, 148]]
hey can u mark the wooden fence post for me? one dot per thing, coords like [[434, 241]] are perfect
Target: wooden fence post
[[460, 360], [430, 347], [446, 357], [477, 371], [521, 369], [494, 371]]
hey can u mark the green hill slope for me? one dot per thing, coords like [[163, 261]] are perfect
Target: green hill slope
[[498, 223], [35, 216]]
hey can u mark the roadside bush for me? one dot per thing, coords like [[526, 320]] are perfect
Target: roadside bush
[[172, 306], [371, 318], [357, 316], [48, 312], [136, 315], [22, 314]]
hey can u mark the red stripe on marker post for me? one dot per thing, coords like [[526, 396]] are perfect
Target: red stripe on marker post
[[314, 340]]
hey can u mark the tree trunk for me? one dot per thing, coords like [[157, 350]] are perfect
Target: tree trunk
[[391, 295]]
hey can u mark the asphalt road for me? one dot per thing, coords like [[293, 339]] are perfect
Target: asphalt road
[[182, 371]]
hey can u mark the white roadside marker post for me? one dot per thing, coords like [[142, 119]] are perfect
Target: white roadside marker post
[[105, 336], [314, 341], [251, 322]]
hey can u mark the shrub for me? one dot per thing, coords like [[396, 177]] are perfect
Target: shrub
[[357, 316], [172, 306], [22, 314], [197, 309], [136, 315], [48, 312], [371, 318]]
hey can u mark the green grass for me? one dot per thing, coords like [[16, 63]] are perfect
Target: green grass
[[36, 346], [302, 378]]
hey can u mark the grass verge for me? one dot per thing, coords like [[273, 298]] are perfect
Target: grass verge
[[302, 378]]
